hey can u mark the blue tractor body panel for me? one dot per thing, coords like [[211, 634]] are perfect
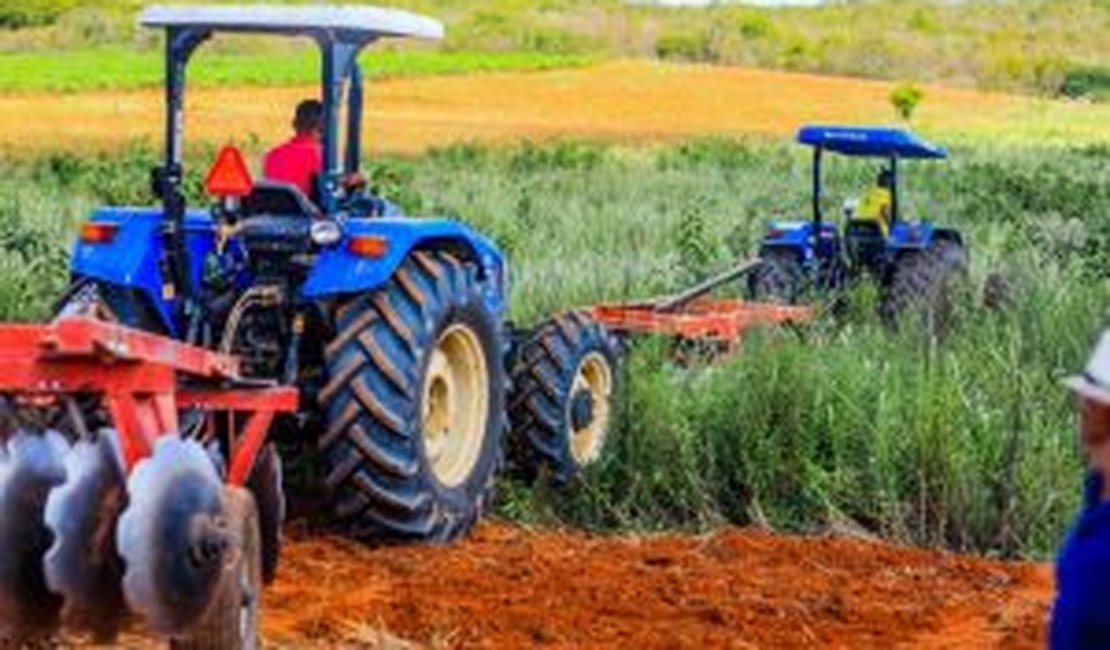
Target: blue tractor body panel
[[910, 235], [339, 271], [132, 258], [803, 238]]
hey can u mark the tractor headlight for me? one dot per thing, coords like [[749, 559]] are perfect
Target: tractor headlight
[[325, 233]]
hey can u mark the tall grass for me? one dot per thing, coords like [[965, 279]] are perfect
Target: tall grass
[[966, 444]]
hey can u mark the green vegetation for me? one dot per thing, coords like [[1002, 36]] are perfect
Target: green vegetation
[[1091, 82], [117, 68], [25, 13], [966, 445], [1043, 46]]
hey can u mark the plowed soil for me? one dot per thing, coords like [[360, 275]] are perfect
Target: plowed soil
[[507, 587], [629, 101]]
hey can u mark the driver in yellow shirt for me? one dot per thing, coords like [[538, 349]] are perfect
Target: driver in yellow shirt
[[878, 204]]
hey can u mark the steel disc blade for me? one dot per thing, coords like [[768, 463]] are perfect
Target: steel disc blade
[[172, 536], [33, 465], [82, 564]]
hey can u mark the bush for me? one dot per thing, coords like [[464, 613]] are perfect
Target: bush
[[905, 98], [685, 46], [1090, 82], [26, 13]]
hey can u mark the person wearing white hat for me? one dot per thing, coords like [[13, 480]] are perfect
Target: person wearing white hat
[[1081, 615]]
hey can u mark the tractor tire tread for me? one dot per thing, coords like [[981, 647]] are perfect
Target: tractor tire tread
[[381, 484], [547, 363]]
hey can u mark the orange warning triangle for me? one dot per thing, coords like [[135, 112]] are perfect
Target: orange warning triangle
[[230, 176]]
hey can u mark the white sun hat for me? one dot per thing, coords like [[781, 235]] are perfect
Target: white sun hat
[[1094, 381]]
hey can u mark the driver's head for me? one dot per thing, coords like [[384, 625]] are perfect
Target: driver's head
[[885, 179], [309, 118]]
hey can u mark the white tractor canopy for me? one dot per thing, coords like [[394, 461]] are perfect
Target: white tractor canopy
[[362, 23]]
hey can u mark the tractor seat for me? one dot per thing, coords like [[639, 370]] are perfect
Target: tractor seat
[[865, 241], [275, 199], [276, 219]]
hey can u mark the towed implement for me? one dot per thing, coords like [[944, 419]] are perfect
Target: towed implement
[[145, 428], [111, 494]]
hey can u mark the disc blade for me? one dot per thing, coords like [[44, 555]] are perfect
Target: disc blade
[[172, 535], [32, 466], [82, 564]]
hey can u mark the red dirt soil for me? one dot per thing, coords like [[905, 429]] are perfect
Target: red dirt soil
[[511, 587]]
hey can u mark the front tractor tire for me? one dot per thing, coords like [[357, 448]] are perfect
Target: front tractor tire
[[415, 403], [562, 405]]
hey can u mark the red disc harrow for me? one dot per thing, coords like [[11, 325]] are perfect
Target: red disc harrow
[[144, 380]]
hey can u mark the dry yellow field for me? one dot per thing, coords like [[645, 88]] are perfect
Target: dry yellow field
[[625, 100]]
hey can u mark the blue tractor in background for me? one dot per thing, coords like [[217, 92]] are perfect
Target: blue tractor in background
[[392, 330], [915, 262]]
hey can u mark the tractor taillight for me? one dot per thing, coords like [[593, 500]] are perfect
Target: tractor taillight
[[774, 233], [370, 246], [98, 233]]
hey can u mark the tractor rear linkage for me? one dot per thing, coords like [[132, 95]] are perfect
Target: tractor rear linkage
[[145, 381]]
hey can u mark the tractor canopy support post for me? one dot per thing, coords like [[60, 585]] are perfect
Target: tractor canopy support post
[[180, 45], [355, 98], [817, 186], [339, 58], [895, 199]]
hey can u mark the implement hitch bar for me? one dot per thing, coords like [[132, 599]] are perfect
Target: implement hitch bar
[[144, 381]]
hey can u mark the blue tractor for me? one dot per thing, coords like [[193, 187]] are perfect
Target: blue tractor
[[391, 329], [915, 262]]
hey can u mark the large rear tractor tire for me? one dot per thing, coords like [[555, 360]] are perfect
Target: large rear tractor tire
[[562, 402], [415, 404], [925, 282], [779, 279], [231, 622]]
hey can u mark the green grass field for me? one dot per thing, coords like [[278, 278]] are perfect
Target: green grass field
[[966, 445], [126, 69]]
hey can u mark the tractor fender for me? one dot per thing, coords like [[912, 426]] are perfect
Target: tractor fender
[[800, 237], [912, 236], [339, 271], [948, 234], [131, 258], [789, 234]]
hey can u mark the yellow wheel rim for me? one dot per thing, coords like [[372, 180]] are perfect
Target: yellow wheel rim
[[594, 376], [455, 405]]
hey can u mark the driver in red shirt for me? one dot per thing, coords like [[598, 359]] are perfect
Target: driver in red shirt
[[301, 159]]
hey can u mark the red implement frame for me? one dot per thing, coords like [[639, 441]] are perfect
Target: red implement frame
[[693, 315], [704, 319], [145, 381]]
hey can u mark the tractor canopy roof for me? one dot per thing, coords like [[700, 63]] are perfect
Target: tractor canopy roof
[[869, 141], [360, 24]]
